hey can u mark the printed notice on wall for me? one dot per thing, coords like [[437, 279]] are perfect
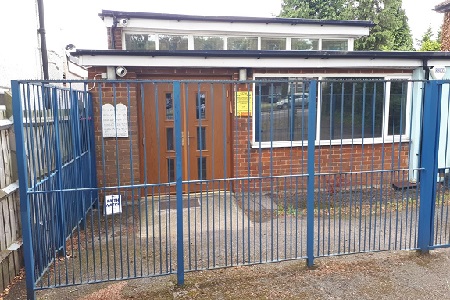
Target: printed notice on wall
[[115, 121], [243, 104], [113, 204]]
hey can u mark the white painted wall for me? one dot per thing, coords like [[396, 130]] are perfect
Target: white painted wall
[[416, 126], [444, 133], [19, 55], [19, 44]]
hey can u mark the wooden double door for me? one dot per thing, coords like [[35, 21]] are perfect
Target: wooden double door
[[206, 112]]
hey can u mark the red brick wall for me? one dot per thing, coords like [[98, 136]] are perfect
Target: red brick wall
[[117, 38], [284, 161], [117, 152], [445, 46], [328, 159]]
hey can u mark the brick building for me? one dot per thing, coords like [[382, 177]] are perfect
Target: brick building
[[444, 8], [270, 61]]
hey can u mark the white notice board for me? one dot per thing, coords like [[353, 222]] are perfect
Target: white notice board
[[115, 121], [113, 204]]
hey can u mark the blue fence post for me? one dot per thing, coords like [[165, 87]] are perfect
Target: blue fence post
[[429, 155], [58, 167], [311, 173], [91, 133], [25, 211], [179, 179], [76, 134]]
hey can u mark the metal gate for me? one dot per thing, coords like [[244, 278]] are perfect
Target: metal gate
[[128, 179]]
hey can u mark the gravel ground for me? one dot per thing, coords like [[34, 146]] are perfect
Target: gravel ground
[[383, 275], [223, 231]]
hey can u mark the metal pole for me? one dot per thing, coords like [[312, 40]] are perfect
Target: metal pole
[[178, 179], [41, 31], [311, 173], [428, 176], [25, 212]]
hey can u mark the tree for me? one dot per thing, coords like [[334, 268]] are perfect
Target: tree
[[391, 30], [315, 9], [426, 43]]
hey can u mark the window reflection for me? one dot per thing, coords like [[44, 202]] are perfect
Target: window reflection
[[397, 108], [136, 41], [201, 168], [273, 43], [242, 43], [169, 106], [341, 45], [304, 44], [169, 135], [171, 169], [200, 105], [173, 42], [201, 138], [208, 43]]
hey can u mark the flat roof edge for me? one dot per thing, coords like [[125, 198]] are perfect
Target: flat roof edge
[[177, 17], [269, 54]]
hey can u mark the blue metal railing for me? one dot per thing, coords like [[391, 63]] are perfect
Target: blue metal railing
[[55, 153], [207, 180]]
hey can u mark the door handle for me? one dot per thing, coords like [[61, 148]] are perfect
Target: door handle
[[189, 137]]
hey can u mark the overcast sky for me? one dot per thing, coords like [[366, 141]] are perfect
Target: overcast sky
[[77, 22]]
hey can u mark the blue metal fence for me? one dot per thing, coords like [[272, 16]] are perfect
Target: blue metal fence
[[54, 134], [220, 173]]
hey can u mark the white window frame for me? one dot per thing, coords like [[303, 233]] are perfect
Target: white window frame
[[319, 42], [190, 36], [258, 44], [336, 39], [273, 37], [146, 32], [385, 138], [224, 39]]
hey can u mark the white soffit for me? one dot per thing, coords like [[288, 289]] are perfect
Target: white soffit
[[249, 62], [240, 28]]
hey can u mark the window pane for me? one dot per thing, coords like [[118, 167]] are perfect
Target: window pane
[[242, 43], [140, 41], [281, 109], [169, 106], [351, 109], [335, 45], [200, 105], [397, 108], [201, 167], [171, 170], [273, 43], [304, 44], [201, 138], [173, 42], [208, 43], [169, 135]]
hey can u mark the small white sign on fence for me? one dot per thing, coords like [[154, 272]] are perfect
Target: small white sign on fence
[[113, 204], [115, 121]]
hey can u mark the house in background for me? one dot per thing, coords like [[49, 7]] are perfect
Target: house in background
[[22, 60], [280, 56], [444, 8]]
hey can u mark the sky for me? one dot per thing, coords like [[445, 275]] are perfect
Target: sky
[[77, 22]]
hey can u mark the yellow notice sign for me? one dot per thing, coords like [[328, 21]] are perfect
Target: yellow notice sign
[[243, 104]]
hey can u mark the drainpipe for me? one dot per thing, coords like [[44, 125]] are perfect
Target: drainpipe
[[112, 31], [426, 68], [41, 31]]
